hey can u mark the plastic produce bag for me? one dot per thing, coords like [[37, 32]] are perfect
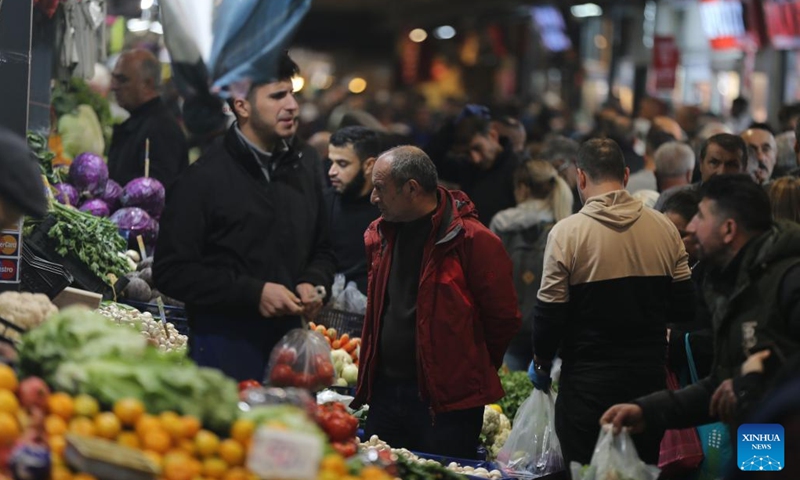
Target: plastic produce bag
[[532, 449], [347, 299], [301, 359], [614, 458]]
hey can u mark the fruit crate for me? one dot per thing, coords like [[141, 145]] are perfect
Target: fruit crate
[[343, 322]]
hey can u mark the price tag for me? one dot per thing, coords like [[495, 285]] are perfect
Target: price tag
[[282, 454], [142, 250]]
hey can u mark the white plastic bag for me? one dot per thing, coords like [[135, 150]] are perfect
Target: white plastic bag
[[347, 298], [532, 449], [614, 458]]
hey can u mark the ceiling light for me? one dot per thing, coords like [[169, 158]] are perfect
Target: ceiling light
[[357, 85], [146, 4], [445, 32], [586, 10], [298, 83], [418, 35]]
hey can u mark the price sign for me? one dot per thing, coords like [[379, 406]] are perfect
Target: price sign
[[282, 454]]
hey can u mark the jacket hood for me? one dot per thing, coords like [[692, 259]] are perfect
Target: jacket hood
[[617, 209], [522, 217], [782, 241]]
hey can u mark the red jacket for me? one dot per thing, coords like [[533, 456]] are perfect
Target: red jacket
[[466, 308]]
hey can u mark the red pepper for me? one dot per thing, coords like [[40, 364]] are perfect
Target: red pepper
[[244, 385]]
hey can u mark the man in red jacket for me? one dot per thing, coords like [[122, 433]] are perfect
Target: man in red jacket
[[441, 311]]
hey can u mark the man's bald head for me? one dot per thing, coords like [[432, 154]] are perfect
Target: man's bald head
[[136, 78], [670, 126]]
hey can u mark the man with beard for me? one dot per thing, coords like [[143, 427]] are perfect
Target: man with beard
[[751, 288], [352, 152], [244, 236]]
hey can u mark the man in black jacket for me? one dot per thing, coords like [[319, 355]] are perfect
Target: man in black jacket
[[244, 236], [352, 152], [135, 82], [751, 287]]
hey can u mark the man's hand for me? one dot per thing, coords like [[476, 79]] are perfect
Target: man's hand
[[723, 402], [277, 301], [312, 302], [755, 362], [539, 376], [624, 415]]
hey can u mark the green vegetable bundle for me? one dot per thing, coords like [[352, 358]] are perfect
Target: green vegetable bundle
[[93, 240], [78, 351], [518, 388]]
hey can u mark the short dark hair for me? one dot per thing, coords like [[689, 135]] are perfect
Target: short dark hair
[[473, 120], [761, 126], [655, 138], [560, 148], [729, 143], [365, 142], [602, 159], [738, 197], [411, 163], [287, 69], [683, 202]]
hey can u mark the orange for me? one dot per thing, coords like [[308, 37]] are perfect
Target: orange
[[82, 426], [57, 444], [147, 423], [8, 379], [157, 440], [55, 425], [9, 428], [242, 430], [206, 442], [187, 446], [8, 402], [61, 404], [177, 466], [60, 473], [333, 463], [214, 467], [86, 406], [191, 425], [128, 410], [107, 425], [172, 423], [232, 452], [128, 439], [236, 473]]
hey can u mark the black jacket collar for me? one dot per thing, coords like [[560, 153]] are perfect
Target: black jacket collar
[[243, 154]]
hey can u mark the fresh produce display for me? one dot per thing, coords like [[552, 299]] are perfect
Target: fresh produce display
[[78, 351], [25, 310], [94, 241], [132, 222], [141, 287], [340, 427], [345, 352], [163, 336], [66, 194], [301, 359], [518, 388], [89, 174], [81, 133], [146, 193], [39, 147], [96, 207], [495, 430], [112, 195]]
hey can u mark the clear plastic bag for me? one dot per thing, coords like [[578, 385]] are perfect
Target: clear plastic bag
[[301, 359], [532, 449], [347, 298], [614, 458]]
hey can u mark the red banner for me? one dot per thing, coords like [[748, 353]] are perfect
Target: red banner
[[665, 61], [782, 19]]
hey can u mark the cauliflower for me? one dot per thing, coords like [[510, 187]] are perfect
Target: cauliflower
[[491, 423], [25, 310], [499, 441]]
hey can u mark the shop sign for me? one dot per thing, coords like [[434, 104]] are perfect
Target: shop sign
[[782, 18], [665, 61], [724, 24]]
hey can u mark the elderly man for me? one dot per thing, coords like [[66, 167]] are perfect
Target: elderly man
[[440, 315], [674, 165], [135, 82], [762, 150]]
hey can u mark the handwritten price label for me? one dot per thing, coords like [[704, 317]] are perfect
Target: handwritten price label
[[282, 454]]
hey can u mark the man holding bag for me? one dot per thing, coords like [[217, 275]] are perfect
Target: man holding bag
[[614, 275]]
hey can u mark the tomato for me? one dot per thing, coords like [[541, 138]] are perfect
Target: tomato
[[338, 430], [286, 356], [325, 374], [282, 376], [304, 380], [244, 385], [345, 449]]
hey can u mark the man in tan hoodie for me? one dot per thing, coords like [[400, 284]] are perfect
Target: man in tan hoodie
[[614, 275]]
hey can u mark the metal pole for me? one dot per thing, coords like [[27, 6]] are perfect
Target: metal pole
[[15, 63]]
